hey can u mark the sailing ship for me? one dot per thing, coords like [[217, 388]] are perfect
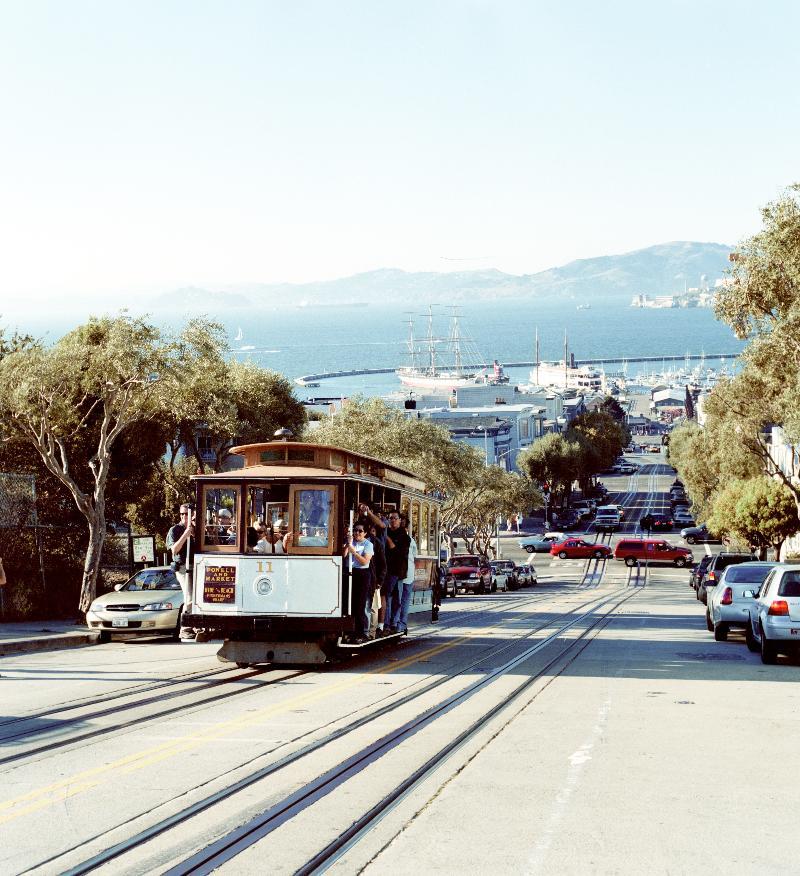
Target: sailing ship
[[439, 363]]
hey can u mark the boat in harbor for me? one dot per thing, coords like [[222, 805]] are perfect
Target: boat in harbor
[[438, 363], [566, 374]]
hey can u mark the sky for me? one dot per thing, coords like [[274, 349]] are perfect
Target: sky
[[157, 144]]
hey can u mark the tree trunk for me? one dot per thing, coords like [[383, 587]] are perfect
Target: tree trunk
[[91, 565]]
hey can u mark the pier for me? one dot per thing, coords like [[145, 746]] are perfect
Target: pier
[[692, 357]]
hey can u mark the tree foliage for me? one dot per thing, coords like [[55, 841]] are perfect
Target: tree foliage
[[98, 380], [474, 494], [553, 459], [759, 512], [601, 438], [224, 402]]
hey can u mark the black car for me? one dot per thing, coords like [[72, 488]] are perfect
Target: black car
[[714, 570], [699, 570], [696, 534]]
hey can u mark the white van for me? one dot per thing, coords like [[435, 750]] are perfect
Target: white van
[[607, 518]]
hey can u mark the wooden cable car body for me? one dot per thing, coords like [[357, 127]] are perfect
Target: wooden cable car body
[[296, 607]]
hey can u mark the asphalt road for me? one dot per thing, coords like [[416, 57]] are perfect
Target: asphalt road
[[637, 742]]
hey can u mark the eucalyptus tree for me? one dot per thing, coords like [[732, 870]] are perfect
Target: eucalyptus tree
[[474, 495], [73, 402]]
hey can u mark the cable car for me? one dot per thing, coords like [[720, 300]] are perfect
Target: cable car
[[290, 602]]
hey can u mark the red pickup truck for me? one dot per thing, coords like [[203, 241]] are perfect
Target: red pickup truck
[[468, 572]]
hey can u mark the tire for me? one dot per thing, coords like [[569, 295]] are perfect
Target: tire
[[105, 636], [691, 539], [242, 665], [481, 588], [562, 555], [175, 635], [630, 561], [720, 632], [529, 548], [768, 652], [597, 554], [680, 562], [494, 587], [750, 639], [709, 623]]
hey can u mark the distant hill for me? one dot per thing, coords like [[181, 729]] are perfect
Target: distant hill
[[656, 270]]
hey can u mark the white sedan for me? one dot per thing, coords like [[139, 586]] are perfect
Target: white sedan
[[150, 603]]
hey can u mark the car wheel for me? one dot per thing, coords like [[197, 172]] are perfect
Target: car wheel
[[597, 554], [105, 636], [481, 588], [768, 652], [494, 586], [630, 561], [691, 539], [709, 623], [242, 665], [562, 555], [530, 548], [750, 639], [680, 562], [720, 632]]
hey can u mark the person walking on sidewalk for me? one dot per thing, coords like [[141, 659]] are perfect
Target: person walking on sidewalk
[[180, 542]]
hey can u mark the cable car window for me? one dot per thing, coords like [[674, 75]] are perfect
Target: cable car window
[[312, 519], [219, 519], [422, 537], [299, 454], [413, 525], [433, 526], [274, 455]]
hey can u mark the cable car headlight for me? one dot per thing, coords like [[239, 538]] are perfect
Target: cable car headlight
[[263, 585]]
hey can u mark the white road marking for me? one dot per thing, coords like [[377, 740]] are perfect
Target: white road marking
[[577, 761]]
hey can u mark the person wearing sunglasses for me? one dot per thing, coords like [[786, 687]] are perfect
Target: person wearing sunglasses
[[359, 551]]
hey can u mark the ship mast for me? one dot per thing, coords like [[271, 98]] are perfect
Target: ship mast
[[431, 344], [455, 341], [411, 348]]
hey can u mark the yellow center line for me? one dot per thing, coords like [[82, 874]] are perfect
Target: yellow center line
[[40, 798]]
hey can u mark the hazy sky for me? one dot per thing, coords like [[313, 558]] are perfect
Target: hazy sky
[[150, 145]]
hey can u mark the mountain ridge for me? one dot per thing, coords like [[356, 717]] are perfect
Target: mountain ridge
[[661, 269]]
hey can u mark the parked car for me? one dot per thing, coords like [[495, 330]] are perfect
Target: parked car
[[468, 572], [503, 575], [654, 550], [713, 572], [578, 549], [539, 544], [526, 574], [150, 603], [774, 616], [699, 570], [683, 519], [728, 607], [584, 509], [695, 534]]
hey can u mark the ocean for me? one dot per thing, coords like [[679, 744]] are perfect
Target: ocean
[[298, 341]]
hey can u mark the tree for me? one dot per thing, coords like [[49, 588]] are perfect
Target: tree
[[100, 379], [689, 405], [474, 494], [613, 408], [600, 438], [553, 459], [225, 402], [759, 512], [493, 494], [374, 428]]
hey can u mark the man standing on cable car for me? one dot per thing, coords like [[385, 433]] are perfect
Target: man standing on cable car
[[398, 543]]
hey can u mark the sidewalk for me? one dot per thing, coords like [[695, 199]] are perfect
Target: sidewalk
[[18, 638]]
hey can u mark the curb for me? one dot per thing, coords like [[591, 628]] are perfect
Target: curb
[[53, 643]]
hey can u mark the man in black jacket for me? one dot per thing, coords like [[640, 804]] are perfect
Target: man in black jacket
[[398, 543]]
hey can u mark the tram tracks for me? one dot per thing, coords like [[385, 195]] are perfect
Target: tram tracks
[[242, 838], [378, 709], [53, 723]]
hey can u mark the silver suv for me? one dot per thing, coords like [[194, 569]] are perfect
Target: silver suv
[[774, 625]]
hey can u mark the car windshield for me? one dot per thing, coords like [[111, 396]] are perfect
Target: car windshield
[[747, 574], [463, 561], [724, 560], [153, 579]]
